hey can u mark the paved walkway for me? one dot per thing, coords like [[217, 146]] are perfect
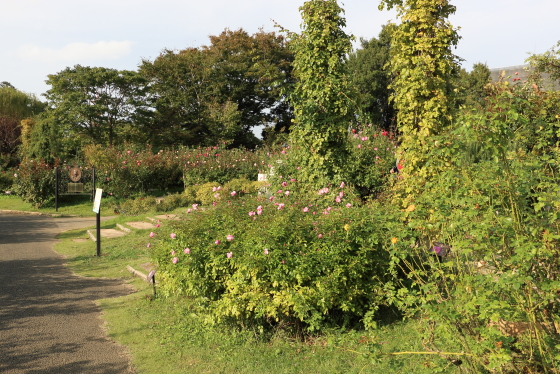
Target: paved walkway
[[49, 322]]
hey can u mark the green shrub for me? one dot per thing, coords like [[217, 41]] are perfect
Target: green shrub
[[140, 205], [208, 193], [173, 201], [496, 208], [6, 180], [282, 264], [35, 182]]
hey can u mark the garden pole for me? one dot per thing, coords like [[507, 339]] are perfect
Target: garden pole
[[92, 183], [56, 189], [98, 234]]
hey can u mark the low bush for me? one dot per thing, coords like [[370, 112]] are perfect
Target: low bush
[[279, 260], [7, 180], [35, 182]]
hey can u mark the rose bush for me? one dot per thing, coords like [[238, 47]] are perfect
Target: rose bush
[[280, 259]]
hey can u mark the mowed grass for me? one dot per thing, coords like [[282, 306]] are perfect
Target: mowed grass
[[78, 205], [169, 335]]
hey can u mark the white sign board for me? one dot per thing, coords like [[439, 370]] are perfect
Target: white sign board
[[97, 201]]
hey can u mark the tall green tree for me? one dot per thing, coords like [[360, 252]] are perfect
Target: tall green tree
[[96, 103], [472, 86], [221, 91], [424, 70], [369, 72], [15, 106], [322, 97]]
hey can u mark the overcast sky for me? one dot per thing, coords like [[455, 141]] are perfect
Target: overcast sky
[[41, 37]]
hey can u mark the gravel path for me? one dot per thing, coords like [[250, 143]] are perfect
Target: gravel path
[[49, 321]]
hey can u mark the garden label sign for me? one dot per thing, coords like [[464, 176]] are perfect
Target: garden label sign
[[97, 200]]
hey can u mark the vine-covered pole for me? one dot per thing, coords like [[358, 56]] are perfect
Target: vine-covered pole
[[424, 69]]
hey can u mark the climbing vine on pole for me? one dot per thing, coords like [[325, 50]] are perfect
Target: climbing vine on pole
[[321, 97], [423, 67]]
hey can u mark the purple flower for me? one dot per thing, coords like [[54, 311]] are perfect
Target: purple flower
[[229, 254], [436, 249]]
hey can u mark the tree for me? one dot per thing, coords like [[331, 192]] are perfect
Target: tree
[[322, 98], [18, 104], [15, 106], [471, 86], [369, 73], [96, 103], [424, 70], [220, 91]]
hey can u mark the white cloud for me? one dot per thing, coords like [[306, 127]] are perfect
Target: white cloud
[[76, 52]]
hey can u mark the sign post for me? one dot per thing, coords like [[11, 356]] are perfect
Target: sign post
[[96, 206]]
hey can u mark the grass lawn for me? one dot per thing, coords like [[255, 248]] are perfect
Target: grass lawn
[[166, 335], [78, 205]]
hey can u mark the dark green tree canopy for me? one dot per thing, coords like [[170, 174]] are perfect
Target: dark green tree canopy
[[220, 91], [471, 86], [96, 103], [370, 75]]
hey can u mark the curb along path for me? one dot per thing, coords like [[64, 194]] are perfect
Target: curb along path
[[49, 321]]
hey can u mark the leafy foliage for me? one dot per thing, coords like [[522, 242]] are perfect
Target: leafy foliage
[[423, 67], [472, 86], [221, 91], [369, 73], [322, 98], [548, 62], [281, 260], [96, 103], [35, 182], [479, 242], [15, 106]]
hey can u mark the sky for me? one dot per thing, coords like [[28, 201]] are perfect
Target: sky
[[42, 37]]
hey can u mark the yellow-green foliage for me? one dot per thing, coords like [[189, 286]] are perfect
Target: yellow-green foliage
[[190, 193], [204, 193], [101, 157], [242, 185]]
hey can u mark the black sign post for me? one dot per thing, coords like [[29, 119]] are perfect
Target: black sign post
[[96, 206], [56, 189]]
